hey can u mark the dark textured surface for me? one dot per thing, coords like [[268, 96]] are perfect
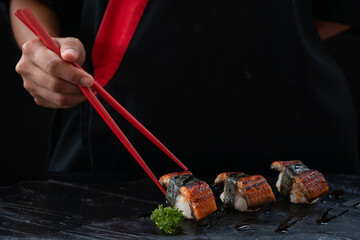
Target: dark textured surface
[[62, 210]]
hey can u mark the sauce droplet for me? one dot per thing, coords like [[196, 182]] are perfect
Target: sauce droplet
[[244, 225]]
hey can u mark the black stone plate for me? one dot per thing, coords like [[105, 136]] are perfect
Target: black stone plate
[[55, 209]]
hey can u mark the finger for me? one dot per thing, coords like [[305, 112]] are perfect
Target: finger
[[54, 65], [47, 98], [72, 50], [52, 83], [45, 103]]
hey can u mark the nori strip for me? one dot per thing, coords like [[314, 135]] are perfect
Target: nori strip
[[175, 184], [230, 187], [288, 175]]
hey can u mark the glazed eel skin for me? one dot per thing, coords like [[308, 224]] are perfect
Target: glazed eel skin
[[191, 195], [244, 192], [298, 182]]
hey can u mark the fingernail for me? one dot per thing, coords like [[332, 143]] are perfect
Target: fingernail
[[70, 51], [86, 82]]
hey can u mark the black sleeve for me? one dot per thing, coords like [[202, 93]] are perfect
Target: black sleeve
[[341, 11]]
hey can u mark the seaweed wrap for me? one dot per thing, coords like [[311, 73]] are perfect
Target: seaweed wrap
[[245, 192], [298, 182], [192, 196]]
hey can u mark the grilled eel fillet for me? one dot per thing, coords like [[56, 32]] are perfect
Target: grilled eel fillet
[[221, 178], [311, 182], [254, 189], [198, 195], [200, 198], [280, 165]]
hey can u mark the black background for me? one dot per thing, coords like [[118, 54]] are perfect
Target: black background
[[25, 126]]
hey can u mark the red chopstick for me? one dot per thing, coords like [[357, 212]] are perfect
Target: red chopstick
[[26, 16], [119, 108]]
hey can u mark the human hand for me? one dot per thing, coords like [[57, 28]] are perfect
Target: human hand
[[52, 80]]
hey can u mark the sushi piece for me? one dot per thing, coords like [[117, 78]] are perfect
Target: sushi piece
[[244, 192], [189, 194], [298, 182]]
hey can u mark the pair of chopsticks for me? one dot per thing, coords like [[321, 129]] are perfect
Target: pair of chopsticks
[[26, 16]]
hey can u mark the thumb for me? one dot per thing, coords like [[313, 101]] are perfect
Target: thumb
[[72, 50]]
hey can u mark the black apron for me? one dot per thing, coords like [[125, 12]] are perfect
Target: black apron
[[226, 85]]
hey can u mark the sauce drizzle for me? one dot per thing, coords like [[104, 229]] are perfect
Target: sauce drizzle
[[324, 219], [284, 227]]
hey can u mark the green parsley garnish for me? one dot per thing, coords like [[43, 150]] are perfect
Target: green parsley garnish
[[167, 219]]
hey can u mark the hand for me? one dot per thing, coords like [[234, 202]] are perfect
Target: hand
[[51, 80]]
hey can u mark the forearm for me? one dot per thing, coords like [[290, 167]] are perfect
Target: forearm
[[42, 11]]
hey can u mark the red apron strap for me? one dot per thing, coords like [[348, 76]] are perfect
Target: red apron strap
[[116, 30]]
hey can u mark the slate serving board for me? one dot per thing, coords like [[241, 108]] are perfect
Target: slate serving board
[[55, 209]]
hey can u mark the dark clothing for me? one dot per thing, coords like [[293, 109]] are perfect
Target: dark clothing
[[341, 11], [226, 85]]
